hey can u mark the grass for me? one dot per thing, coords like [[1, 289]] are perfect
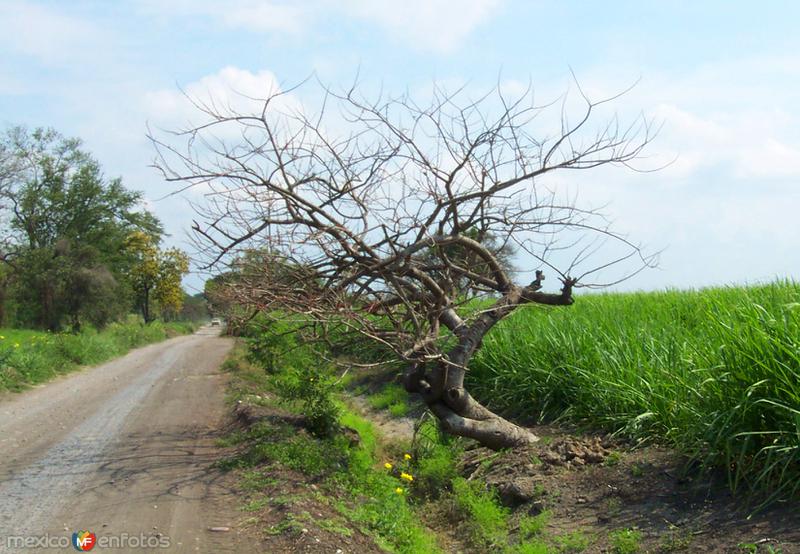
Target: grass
[[393, 398], [625, 541], [714, 373], [486, 519], [350, 474], [31, 357], [387, 490]]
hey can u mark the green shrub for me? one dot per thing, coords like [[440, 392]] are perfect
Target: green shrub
[[530, 526], [434, 457], [313, 387]]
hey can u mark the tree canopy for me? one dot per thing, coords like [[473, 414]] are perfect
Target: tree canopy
[[64, 230]]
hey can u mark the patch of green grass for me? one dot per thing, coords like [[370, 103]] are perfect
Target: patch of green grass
[[337, 526], [257, 480], [676, 541], [756, 549], [342, 469], [485, 518], [625, 541], [530, 547], [571, 543], [398, 409], [288, 524], [381, 510], [30, 357], [530, 526], [613, 459], [256, 504], [434, 459], [365, 429], [392, 397]]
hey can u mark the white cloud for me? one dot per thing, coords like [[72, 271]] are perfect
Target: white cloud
[[439, 25], [44, 33], [744, 145], [253, 15], [427, 25], [230, 90]]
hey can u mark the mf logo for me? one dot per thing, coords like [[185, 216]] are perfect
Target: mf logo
[[84, 540]]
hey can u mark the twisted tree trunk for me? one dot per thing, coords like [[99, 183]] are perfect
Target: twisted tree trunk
[[442, 387]]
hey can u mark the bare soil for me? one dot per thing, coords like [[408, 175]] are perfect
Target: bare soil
[[595, 486]]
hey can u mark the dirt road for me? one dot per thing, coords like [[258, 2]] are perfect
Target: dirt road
[[123, 450]]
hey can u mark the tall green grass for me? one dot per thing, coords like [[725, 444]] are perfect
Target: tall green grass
[[715, 373], [30, 357]]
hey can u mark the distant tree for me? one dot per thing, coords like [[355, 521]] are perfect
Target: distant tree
[[5, 281], [63, 227], [195, 307], [155, 275], [248, 272]]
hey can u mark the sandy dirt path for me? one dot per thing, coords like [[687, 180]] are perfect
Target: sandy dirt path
[[124, 450]]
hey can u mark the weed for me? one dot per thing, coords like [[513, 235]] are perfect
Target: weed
[[398, 409], [530, 526], [613, 459], [529, 547], [256, 504], [485, 518], [676, 541], [393, 398], [572, 543], [334, 526], [753, 548], [434, 459], [625, 541]]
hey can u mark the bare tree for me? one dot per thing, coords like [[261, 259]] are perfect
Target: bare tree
[[366, 200]]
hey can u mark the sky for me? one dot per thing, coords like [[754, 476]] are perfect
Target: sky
[[723, 77]]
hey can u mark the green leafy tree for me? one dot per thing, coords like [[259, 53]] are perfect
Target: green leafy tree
[[156, 276], [195, 307], [64, 226]]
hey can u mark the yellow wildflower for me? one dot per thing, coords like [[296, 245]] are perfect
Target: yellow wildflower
[[2, 337], [387, 465], [16, 345], [399, 490], [406, 456], [408, 477]]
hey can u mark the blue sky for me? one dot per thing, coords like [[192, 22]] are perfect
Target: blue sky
[[723, 77]]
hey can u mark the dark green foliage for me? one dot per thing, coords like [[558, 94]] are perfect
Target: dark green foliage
[[65, 225], [195, 308]]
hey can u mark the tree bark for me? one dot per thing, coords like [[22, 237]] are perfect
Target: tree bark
[[443, 389]]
